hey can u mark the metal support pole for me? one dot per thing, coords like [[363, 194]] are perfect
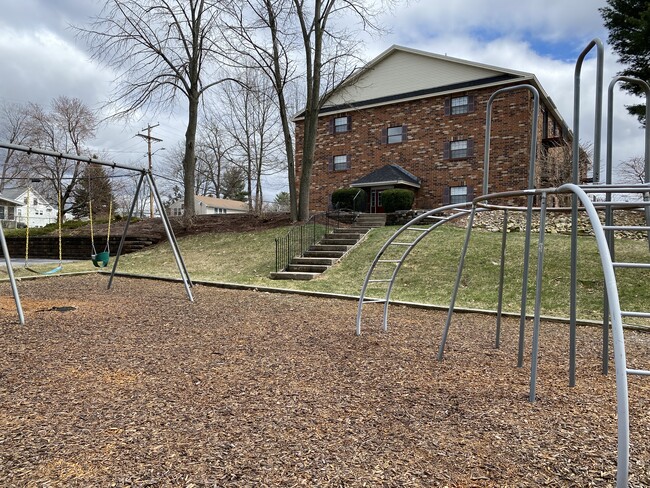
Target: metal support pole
[[126, 229], [502, 265], [172, 239], [575, 180], [524, 283], [538, 300], [12, 278], [459, 273]]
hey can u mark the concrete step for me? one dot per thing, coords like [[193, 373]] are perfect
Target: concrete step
[[324, 254], [307, 268], [330, 240], [344, 235], [322, 261], [285, 275], [328, 247], [352, 230]]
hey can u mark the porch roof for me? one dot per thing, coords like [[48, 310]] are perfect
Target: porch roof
[[391, 174]]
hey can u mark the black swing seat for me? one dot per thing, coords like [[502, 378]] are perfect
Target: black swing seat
[[100, 260]]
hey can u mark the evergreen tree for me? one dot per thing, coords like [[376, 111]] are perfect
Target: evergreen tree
[[233, 184], [94, 186], [628, 22]]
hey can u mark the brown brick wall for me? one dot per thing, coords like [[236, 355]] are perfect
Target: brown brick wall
[[422, 154]]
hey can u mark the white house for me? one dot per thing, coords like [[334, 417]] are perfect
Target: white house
[[8, 208], [35, 210], [210, 206]]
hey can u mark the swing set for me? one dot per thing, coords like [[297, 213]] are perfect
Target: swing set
[[100, 259], [60, 266]]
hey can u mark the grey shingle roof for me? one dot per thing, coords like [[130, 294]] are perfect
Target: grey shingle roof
[[391, 174]]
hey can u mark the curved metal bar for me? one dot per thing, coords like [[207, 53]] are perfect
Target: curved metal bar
[[529, 208], [620, 361], [573, 318], [392, 239], [488, 126]]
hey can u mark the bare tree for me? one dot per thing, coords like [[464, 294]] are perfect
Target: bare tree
[[65, 128], [274, 34], [554, 166], [633, 170], [328, 56], [253, 125], [264, 38], [14, 120], [163, 49], [214, 152]]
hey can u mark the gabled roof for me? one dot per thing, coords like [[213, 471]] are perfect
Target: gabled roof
[[391, 174], [410, 73], [221, 203], [401, 74], [17, 194], [4, 198]]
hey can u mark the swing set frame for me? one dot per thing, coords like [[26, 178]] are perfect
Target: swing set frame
[[144, 173]]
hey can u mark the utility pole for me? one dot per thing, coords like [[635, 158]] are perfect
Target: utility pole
[[149, 138]]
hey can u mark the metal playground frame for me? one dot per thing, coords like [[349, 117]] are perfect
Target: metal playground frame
[[144, 174], [390, 258]]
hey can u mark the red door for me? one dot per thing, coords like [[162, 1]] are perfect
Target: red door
[[375, 202]]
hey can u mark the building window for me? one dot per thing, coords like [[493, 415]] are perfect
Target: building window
[[10, 212], [394, 134], [339, 125], [2, 212], [340, 163], [457, 194], [458, 149], [459, 105]]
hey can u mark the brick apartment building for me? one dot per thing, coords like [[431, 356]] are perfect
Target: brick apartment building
[[412, 119]]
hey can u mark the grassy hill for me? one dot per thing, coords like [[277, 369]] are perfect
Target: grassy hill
[[428, 274]]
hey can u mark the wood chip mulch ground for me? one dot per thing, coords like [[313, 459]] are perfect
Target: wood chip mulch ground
[[136, 386]]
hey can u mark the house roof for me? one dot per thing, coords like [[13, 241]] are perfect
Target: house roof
[[5, 198], [13, 193], [401, 74], [391, 174], [221, 203]]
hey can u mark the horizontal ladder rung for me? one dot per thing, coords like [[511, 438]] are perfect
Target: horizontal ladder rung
[[379, 281], [640, 372], [419, 229], [374, 300], [401, 243], [632, 265], [627, 227], [622, 204], [635, 314]]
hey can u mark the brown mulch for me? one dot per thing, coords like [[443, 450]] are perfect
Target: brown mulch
[[136, 386]]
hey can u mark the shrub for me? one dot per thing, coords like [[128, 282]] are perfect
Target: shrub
[[398, 199], [344, 198]]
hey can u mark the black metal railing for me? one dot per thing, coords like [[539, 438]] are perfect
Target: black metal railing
[[302, 237]]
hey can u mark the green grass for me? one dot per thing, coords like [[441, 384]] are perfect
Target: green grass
[[427, 275]]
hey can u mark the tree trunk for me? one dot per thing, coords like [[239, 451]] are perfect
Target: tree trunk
[[189, 161]]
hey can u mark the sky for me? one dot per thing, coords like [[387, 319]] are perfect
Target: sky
[[42, 59]]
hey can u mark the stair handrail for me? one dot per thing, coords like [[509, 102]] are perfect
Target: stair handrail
[[301, 237]]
